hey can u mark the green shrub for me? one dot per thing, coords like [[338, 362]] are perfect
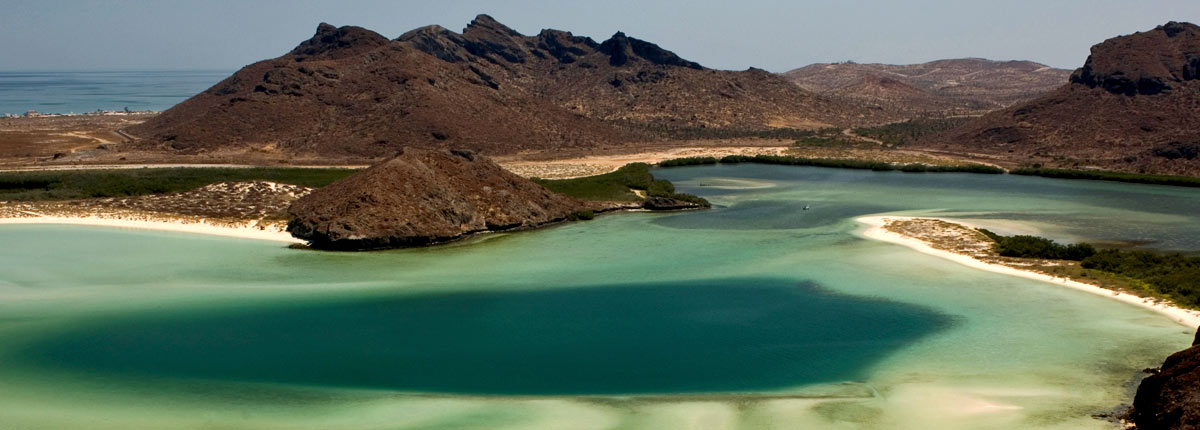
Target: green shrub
[[581, 216], [1101, 175], [687, 161], [858, 164], [618, 186], [1175, 276], [1025, 246]]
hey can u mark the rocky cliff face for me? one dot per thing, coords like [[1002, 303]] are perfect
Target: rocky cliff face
[[1170, 399], [349, 92], [421, 197], [1134, 106], [1147, 63]]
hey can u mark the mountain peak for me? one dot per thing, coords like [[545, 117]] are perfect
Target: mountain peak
[[620, 48], [329, 42], [486, 23], [437, 41]]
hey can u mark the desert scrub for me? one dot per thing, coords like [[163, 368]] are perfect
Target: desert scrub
[[81, 184]]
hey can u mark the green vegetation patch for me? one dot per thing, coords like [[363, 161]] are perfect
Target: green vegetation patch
[[1172, 276], [618, 186], [842, 163], [688, 161], [903, 133], [1024, 246], [1139, 178], [81, 184]]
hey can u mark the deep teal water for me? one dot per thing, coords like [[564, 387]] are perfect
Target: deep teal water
[[695, 337], [81, 92]]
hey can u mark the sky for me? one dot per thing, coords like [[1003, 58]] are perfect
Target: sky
[[776, 35]]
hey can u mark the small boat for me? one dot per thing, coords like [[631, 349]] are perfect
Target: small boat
[[805, 207]]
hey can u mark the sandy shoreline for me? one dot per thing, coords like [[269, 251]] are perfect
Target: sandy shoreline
[[248, 230], [875, 230]]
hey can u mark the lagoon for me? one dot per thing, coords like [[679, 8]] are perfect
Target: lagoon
[[755, 314]]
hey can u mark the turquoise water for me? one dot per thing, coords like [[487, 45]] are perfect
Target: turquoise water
[[755, 314], [81, 92]]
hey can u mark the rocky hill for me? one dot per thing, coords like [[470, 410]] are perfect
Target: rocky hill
[[1133, 106], [944, 87], [422, 197], [1170, 398], [352, 92]]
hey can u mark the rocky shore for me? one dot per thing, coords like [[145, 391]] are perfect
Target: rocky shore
[[1169, 399]]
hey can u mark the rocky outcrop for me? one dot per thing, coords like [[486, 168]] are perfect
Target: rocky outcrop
[[1145, 63], [668, 204], [620, 48], [332, 43], [1170, 398], [421, 197], [1131, 107]]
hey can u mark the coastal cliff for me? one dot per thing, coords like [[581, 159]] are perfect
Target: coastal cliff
[[1170, 398], [421, 197]]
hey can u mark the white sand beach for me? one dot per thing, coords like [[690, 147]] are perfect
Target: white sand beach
[[876, 230], [248, 230]]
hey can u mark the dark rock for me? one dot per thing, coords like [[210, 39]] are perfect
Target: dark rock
[[620, 47], [1170, 399], [563, 45], [667, 204], [1177, 150], [485, 23], [331, 43], [437, 41], [422, 197]]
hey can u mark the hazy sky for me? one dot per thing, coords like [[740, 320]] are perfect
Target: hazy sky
[[776, 35]]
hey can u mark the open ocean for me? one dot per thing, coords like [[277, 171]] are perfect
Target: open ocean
[[80, 92]]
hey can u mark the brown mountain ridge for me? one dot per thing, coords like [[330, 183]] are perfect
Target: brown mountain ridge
[[1133, 106], [350, 92], [936, 88]]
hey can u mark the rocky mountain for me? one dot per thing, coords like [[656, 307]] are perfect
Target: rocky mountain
[[1133, 106], [1170, 398], [944, 87], [422, 197], [352, 92]]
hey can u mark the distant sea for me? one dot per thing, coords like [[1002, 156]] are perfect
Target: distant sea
[[80, 92]]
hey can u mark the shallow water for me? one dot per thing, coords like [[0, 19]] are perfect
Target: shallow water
[[756, 314]]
